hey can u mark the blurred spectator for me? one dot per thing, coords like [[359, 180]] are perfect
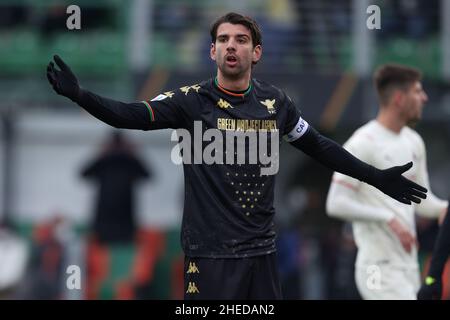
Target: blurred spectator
[[117, 171], [43, 278]]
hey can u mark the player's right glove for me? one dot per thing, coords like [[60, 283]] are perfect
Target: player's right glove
[[392, 183], [63, 81], [430, 290]]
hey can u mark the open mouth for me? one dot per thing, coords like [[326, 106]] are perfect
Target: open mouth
[[231, 60]]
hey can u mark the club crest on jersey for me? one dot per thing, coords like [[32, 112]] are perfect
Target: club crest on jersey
[[269, 105], [222, 104]]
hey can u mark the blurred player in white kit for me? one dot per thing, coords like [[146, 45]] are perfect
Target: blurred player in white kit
[[384, 230]]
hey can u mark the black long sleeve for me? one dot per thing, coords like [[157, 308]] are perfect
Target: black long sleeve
[[332, 155], [389, 181], [441, 249], [115, 113]]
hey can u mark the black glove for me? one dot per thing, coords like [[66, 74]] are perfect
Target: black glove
[[430, 290], [63, 81], [392, 183]]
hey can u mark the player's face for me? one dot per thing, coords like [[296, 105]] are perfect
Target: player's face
[[415, 99], [233, 50]]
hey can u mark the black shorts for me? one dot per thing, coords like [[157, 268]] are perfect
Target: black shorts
[[232, 279]]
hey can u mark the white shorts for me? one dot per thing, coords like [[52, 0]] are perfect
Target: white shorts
[[387, 282]]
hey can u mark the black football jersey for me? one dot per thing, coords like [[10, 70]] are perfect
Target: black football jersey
[[228, 206]]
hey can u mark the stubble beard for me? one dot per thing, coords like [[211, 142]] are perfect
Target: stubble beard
[[236, 73], [413, 121]]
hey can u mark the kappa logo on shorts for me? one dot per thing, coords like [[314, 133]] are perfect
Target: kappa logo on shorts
[[192, 288], [192, 268]]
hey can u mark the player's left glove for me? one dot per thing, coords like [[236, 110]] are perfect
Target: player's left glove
[[392, 183], [430, 290]]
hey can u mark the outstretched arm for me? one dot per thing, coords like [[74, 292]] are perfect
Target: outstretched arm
[[335, 157], [432, 288], [118, 114], [344, 202]]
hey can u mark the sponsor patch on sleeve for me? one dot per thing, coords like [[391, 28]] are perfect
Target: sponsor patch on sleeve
[[159, 97]]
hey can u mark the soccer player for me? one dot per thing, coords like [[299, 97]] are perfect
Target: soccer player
[[431, 289], [384, 230], [228, 234]]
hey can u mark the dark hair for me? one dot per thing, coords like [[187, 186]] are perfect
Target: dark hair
[[236, 18], [390, 77]]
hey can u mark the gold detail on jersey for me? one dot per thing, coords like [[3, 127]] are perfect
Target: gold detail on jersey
[[269, 104], [169, 94], [245, 124], [224, 104], [192, 288], [192, 268], [196, 87], [185, 90]]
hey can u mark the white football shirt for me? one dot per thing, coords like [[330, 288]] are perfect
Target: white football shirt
[[369, 209]]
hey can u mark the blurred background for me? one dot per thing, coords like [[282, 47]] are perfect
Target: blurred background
[[58, 165]]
